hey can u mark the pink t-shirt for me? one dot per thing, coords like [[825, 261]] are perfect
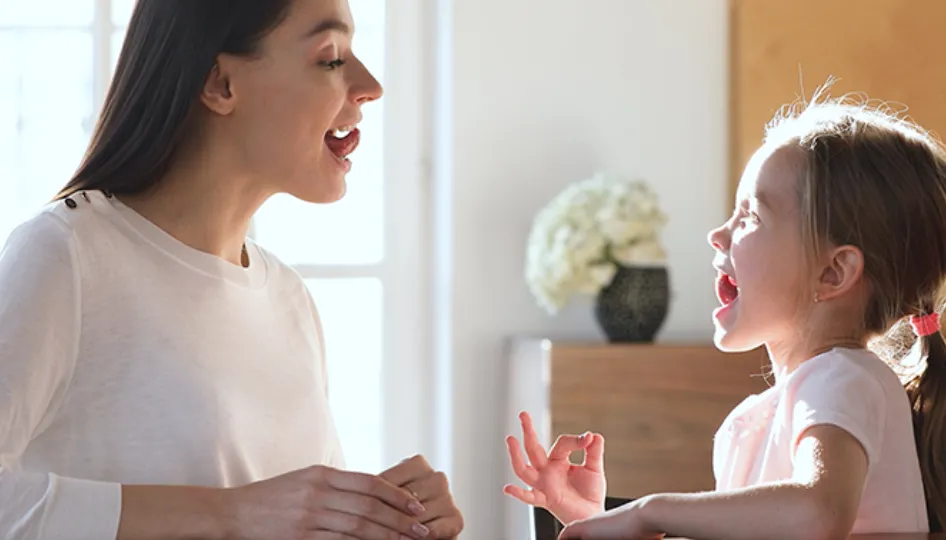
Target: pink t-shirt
[[849, 388]]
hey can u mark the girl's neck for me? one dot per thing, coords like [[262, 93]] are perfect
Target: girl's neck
[[787, 356], [204, 203]]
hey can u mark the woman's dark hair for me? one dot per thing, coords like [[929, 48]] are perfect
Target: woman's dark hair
[[170, 49]]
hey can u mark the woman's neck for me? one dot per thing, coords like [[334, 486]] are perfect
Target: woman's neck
[[204, 204]]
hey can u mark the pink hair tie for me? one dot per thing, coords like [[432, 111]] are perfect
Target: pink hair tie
[[925, 325]]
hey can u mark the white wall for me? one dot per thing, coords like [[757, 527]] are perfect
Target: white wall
[[543, 93]]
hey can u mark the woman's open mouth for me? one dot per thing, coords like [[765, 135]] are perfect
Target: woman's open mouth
[[342, 142]]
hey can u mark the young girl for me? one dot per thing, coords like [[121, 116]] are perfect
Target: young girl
[[838, 237]]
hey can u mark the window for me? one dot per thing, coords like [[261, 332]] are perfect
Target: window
[[56, 59]]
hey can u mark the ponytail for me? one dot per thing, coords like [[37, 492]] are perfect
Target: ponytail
[[927, 392]]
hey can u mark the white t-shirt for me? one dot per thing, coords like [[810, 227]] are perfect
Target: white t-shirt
[[129, 357], [848, 388]]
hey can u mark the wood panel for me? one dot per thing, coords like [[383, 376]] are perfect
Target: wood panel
[[657, 406], [891, 50]]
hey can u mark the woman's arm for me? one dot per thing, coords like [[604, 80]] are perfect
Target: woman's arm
[[819, 502], [169, 512], [39, 336]]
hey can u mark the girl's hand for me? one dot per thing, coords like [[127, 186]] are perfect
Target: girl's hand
[[624, 523], [570, 492]]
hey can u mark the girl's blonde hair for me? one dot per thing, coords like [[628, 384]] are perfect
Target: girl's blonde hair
[[874, 180]]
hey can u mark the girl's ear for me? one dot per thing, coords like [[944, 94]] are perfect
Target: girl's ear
[[843, 270]]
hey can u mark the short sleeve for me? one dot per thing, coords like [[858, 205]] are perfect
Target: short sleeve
[[840, 393]]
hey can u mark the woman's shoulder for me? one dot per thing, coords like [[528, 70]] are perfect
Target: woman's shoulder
[[50, 227], [40, 250], [60, 220]]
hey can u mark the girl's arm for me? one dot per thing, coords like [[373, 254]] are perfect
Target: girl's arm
[[819, 502]]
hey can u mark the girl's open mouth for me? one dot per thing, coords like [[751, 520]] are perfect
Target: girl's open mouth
[[726, 289]]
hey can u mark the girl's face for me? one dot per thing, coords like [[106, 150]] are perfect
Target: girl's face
[[295, 104], [762, 281]]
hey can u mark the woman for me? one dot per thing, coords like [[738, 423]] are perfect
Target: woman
[[146, 346]]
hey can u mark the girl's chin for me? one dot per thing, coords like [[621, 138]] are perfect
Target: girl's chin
[[727, 336]]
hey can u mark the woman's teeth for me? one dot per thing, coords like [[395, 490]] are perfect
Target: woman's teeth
[[342, 132]]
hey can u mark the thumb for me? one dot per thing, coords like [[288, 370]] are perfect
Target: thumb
[[566, 444]]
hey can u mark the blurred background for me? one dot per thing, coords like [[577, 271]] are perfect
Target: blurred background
[[431, 270]]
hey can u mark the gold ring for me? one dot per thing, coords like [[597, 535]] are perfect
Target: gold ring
[[413, 493]]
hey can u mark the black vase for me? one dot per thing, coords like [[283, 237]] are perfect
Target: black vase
[[633, 307]]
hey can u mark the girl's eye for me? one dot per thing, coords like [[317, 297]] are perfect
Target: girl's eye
[[748, 218]]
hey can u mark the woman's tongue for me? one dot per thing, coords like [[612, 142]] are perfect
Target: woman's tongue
[[342, 146]]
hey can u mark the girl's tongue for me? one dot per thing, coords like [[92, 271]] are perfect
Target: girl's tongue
[[726, 289], [342, 147]]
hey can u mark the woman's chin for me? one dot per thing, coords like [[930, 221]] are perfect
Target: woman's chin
[[325, 189]]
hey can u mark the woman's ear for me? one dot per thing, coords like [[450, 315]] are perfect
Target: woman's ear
[[843, 269], [217, 94]]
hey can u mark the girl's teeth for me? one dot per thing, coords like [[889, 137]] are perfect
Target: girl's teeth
[[341, 133]]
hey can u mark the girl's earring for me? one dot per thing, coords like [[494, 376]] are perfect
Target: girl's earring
[[817, 298]]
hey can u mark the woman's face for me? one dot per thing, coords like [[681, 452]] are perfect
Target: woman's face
[[293, 103]]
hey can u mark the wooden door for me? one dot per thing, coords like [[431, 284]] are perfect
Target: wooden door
[[892, 50]]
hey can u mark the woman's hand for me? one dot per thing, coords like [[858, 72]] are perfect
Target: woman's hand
[[321, 502], [570, 492], [431, 488], [624, 523]]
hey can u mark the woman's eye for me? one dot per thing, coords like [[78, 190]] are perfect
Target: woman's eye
[[333, 64]]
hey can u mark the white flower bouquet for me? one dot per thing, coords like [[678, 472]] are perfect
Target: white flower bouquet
[[581, 237]]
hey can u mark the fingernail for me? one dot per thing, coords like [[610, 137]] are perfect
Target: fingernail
[[416, 507], [421, 531]]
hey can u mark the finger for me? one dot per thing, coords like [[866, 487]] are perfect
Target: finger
[[375, 486], [411, 469], [359, 527], [594, 455], [373, 510], [531, 441], [525, 472], [446, 527], [441, 507], [566, 444], [529, 497], [433, 486]]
